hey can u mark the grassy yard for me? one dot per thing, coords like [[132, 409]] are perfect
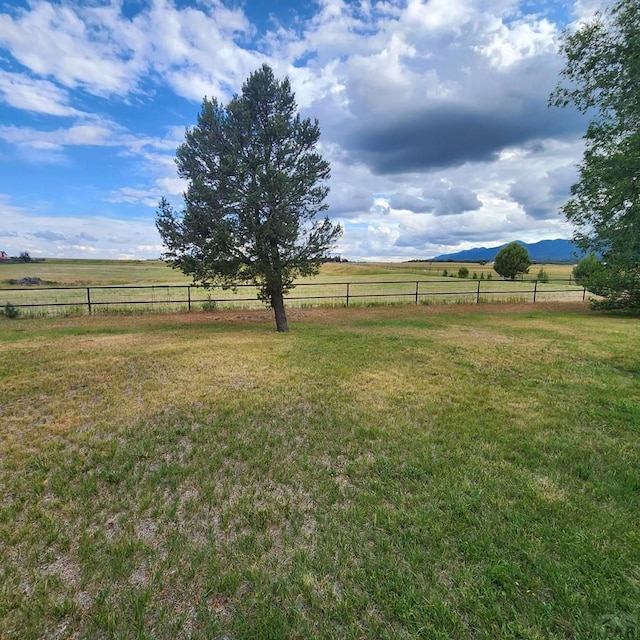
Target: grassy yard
[[467, 472]]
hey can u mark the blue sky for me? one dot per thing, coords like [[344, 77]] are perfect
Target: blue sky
[[433, 114]]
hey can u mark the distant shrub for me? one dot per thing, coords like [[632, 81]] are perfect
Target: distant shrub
[[475, 275], [482, 275], [209, 304], [10, 311], [74, 310], [543, 276], [463, 272], [445, 273], [490, 276]]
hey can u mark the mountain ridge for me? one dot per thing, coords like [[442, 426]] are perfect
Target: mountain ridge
[[558, 250]]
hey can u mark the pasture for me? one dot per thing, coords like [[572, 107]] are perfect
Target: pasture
[[441, 471], [63, 272], [101, 286]]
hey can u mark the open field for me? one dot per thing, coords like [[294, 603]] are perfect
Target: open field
[[467, 472], [149, 272], [133, 287], [72, 273]]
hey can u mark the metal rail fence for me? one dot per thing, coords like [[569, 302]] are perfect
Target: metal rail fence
[[126, 298]]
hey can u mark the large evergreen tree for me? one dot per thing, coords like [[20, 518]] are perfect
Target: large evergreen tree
[[255, 186], [602, 79]]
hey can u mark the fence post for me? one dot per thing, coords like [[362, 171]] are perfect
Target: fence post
[[189, 297], [535, 289], [584, 293], [478, 294], [347, 294], [89, 299], [417, 283]]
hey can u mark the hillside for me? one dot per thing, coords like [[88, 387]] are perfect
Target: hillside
[[544, 251]]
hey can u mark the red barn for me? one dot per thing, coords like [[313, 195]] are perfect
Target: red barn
[[3, 256]]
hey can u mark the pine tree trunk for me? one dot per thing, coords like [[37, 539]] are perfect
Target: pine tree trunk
[[277, 304]]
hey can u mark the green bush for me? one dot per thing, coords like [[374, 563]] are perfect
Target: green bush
[[618, 285], [587, 268], [10, 311], [209, 304], [463, 272], [445, 273], [619, 288], [543, 276]]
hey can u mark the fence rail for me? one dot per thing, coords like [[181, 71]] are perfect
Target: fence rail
[[187, 297]]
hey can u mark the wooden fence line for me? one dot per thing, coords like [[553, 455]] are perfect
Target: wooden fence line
[[416, 295]]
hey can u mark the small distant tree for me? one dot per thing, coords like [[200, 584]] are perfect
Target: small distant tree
[[24, 256], [512, 260], [543, 275], [587, 269], [463, 272], [255, 186]]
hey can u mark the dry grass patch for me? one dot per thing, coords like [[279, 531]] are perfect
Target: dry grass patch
[[466, 472]]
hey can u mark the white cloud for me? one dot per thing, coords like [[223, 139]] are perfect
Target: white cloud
[[197, 52], [147, 197], [38, 96], [583, 10], [433, 113], [168, 187], [40, 234], [511, 44], [172, 186], [76, 135], [437, 15], [58, 41], [97, 49]]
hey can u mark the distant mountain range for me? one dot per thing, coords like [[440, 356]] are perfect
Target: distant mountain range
[[543, 251]]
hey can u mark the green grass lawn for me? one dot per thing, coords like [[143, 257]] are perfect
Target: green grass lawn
[[467, 472]]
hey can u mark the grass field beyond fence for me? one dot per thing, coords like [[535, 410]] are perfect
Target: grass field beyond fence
[[84, 273], [467, 472], [77, 287]]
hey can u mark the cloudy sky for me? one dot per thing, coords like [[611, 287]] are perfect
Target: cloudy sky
[[433, 114]]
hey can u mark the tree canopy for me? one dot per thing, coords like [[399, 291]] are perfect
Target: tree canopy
[[256, 185], [512, 260], [601, 78]]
